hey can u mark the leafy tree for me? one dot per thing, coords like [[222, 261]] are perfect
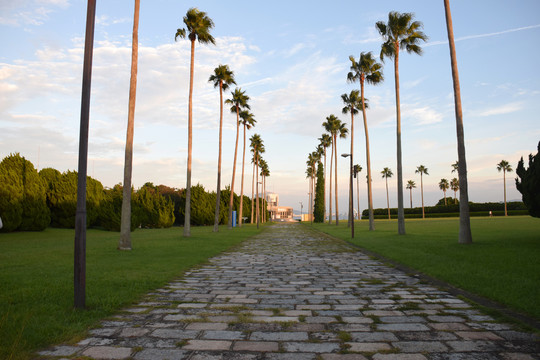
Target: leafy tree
[[257, 148], [126, 227], [387, 173], [26, 208], [366, 70], [400, 32], [465, 235], [248, 120], [319, 194], [444, 185], [265, 172], [239, 100], [411, 185], [528, 183], [505, 167], [198, 28], [110, 210], [153, 210], [422, 170], [222, 78]]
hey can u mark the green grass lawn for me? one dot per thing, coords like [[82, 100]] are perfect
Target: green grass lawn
[[36, 278], [502, 264]]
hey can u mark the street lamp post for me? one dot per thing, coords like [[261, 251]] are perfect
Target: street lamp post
[[351, 218], [301, 211]]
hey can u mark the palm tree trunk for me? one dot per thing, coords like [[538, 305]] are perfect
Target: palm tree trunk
[[445, 197], [324, 195], [257, 183], [330, 185], [231, 200], [125, 225], [465, 235], [504, 177], [253, 193], [401, 214], [422, 192], [218, 189], [187, 218], [358, 194], [411, 197], [368, 164], [242, 181], [335, 178], [351, 215], [387, 199]]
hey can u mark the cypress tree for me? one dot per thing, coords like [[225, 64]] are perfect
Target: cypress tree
[[529, 186], [319, 195]]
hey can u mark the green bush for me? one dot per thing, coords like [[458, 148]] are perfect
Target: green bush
[[151, 209], [62, 198], [110, 210], [23, 205]]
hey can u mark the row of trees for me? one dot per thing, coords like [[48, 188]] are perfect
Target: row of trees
[[32, 201], [400, 32]]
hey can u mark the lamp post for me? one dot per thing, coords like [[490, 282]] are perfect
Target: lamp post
[[301, 209], [351, 218]]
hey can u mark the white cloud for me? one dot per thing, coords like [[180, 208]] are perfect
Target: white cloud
[[28, 12], [503, 109]]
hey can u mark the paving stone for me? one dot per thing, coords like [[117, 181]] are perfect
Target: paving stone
[[290, 356], [259, 346], [420, 346], [161, 354], [223, 335], [108, 352], [174, 334], [133, 332], [399, 357], [208, 345], [378, 336], [60, 351], [368, 346], [279, 336], [206, 326], [478, 335], [342, 357], [310, 347], [402, 327]]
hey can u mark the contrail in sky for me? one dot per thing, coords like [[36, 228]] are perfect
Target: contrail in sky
[[485, 35]]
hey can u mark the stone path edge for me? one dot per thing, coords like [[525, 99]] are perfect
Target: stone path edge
[[509, 315]]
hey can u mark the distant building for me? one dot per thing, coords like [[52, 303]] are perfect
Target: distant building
[[278, 213]]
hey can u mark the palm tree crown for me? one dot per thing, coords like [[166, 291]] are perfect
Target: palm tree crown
[[222, 75], [366, 69], [198, 27], [411, 185], [444, 185], [505, 167], [400, 33]]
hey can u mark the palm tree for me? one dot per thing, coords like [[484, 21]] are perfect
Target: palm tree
[[309, 175], [455, 166], [257, 148], [411, 185], [328, 127], [325, 141], [198, 28], [444, 185], [465, 235], [505, 167], [265, 172], [125, 225], [222, 78], [352, 103], [238, 101], [422, 170], [248, 121], [387, 173], [454, 185], [366, 69], [400, 32], [336, 127], [356, 170], [253, 189], [313, 159]]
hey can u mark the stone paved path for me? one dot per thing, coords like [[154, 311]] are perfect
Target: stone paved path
[[290, 293]]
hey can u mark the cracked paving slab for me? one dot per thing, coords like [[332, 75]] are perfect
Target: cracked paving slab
[[292, 293]]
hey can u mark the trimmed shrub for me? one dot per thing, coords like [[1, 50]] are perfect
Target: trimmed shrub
[[151, 209], [110, 210]]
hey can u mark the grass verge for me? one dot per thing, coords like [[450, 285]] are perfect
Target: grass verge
[[36, 278], [502, 263]]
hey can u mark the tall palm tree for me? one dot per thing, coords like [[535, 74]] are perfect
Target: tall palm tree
[[253, 189], [400, 32], [248, 121], [411, 185], [454, 185], [325, 142], [313, 159], [257, 148], [366, 70], [505, 167], [352, 104], [387, 173], [328, 127], [465, 235], [222, 78], [198, 26], [125, 225], [336, 128], [422, 170], [356, 170], [265, 172], [444, 185], [309, 176], [238, 101]]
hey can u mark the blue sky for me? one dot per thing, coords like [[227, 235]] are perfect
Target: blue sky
[[292, 60]]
